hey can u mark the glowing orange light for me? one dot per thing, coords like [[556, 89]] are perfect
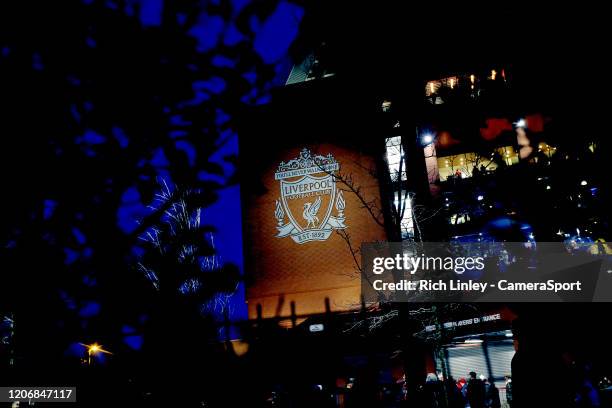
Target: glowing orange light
[[93, 349], [452, 83], [493, 74], [472, 78]]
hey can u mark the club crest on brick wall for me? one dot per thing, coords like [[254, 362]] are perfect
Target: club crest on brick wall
[[310, 206]]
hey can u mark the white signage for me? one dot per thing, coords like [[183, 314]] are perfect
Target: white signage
[[466, 322], [308, 196], [314, 328]]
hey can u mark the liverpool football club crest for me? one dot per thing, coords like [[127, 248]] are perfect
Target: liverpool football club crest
[[310, 207]]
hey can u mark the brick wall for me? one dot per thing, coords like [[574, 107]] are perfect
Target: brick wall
[[283, 270]]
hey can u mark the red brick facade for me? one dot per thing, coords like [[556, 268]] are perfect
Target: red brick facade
[[283, 270]]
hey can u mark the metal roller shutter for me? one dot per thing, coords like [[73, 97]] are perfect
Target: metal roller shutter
[[494, 361]]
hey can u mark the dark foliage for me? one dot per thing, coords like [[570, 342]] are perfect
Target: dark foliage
[[97, 110]]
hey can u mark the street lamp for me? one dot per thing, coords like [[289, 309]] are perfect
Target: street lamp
[[93, 349], [427, 139], [521, 123]]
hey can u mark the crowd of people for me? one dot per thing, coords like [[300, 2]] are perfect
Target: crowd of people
[[477, 391], [474, 392]]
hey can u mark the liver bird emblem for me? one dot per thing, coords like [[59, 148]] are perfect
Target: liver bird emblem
[[310, 213]]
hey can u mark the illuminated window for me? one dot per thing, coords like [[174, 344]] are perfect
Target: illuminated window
[[403, 205], [433, 88], [456, 219], [395, 157], [465, 165], [437, 91], [509, 155], [402, 201], [547, 149]]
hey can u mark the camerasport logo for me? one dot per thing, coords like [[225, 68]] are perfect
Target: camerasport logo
[[310, 206]]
